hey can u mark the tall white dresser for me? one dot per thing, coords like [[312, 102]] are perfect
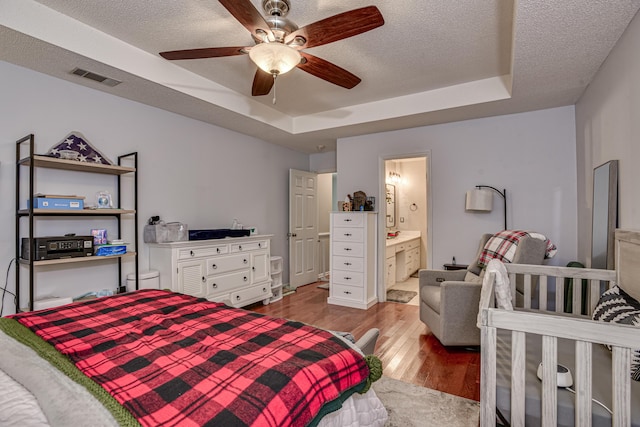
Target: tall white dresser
[[353, 259]]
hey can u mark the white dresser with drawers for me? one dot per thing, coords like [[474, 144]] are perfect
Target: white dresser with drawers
[[234, 270], [353, 259]]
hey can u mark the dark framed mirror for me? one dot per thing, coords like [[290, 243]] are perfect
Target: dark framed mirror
[[605, 215]]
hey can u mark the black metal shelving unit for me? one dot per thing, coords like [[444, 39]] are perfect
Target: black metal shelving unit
[[33, 161]]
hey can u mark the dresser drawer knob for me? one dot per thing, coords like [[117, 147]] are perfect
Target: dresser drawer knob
[[259, 245], [347, 263], [347, 234], [218, 250], [244, 261], [347, 292], [239, 247], [348, 220], [238, 297], [214, 266], [264, 290], [192, 253], [203, 279], [348, 249], [347, 278], [244, 278], [215, 286]]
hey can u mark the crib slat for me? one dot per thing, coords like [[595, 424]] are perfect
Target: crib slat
[[583, 382], [549, 381], [576, 297], [488, 376], [559, 294], [527, 291], [543, 292], [518, 369], [512, 284], [621, 361], [594, 295]]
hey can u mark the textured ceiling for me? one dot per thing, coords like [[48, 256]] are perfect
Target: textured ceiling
[[432, 61]]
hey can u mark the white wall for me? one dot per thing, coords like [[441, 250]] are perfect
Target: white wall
[[189, 171], [607, 128], [532, 155]]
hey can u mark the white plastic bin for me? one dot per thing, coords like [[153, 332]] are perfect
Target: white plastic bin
[[147, 280], [276, 264]]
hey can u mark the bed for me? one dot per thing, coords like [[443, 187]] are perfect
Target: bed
[[602, 355], [155, 357]]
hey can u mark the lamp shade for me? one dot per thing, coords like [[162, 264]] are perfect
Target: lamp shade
[[274, 58], [479, 200]]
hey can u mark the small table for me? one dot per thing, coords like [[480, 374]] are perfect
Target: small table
[[455, 266]]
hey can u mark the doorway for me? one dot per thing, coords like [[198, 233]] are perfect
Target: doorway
[[404, 226]]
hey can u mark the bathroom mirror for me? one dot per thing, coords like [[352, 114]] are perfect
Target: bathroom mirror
[[391, 205], [605, 215]]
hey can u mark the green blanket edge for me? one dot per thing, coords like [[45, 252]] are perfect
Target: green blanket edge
[[46, 351]]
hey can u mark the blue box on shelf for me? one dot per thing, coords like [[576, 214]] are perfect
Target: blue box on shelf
[[109, 250], [56, 203]]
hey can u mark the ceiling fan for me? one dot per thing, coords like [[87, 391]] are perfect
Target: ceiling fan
[[279, 42]]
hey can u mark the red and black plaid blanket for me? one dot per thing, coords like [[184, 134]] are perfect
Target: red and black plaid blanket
[[175, 360], [502, 246]]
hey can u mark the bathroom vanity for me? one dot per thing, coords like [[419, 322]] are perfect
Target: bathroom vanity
[[402, 257]]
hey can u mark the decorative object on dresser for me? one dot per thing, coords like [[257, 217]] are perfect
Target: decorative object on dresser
[[233, 270], [32, 214], [353, 259]]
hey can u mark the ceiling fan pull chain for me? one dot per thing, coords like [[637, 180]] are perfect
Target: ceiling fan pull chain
[[275, 77]]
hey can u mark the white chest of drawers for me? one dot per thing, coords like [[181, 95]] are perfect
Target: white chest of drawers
[[353, 259], [236, 271]]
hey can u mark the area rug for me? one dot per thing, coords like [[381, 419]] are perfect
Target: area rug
[[410, 405], [397, 295]]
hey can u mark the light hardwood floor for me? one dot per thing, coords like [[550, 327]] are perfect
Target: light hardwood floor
[[406, 347]]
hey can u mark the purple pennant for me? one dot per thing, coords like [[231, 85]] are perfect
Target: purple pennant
[[76, 147]]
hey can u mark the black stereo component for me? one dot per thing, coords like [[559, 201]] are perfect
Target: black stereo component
[[219, 233], [57, 247]]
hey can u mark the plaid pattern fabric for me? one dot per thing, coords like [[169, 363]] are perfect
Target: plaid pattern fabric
[[175, 360], [501, 246]]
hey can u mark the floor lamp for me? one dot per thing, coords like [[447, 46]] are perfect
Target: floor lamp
[[482, 200]]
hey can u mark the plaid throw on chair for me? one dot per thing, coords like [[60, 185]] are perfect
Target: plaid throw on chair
[[502, 246]]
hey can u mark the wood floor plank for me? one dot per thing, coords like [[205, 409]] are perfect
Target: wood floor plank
[[406, 347]]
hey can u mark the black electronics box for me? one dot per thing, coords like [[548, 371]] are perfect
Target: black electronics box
[[57, 247], [219, 233]]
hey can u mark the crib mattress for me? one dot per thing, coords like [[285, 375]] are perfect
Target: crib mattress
[[566, 356]]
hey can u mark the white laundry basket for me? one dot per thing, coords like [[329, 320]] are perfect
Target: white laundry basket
[[147, 280]]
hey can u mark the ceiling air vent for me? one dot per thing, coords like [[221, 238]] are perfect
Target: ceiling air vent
[[95, 77]]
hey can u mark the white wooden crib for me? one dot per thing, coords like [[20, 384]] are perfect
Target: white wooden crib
[[510, 358]]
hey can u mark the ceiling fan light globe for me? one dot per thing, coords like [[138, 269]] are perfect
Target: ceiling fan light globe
[[274, 58]]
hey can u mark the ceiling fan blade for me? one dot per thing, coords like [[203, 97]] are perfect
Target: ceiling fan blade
[[208, 52], [246, 13], [338, 27], [262, 83], [328, 71]]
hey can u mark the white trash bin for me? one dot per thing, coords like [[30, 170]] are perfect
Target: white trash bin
[[147, 280]]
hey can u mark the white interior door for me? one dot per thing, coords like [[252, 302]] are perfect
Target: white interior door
[[303, 227]]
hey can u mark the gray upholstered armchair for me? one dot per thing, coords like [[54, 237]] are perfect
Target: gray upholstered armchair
[[449, 299]]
